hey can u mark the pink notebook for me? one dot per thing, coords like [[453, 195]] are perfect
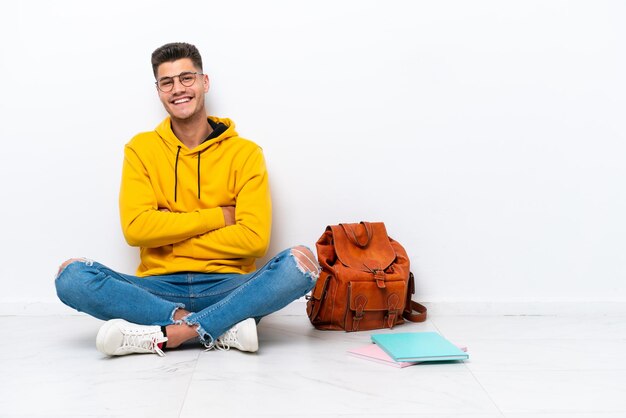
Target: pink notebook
[[375, 353]]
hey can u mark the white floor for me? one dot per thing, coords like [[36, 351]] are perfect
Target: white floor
[[520, 366]]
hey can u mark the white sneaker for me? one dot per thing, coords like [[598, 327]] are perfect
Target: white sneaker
[[118, 337], [242, 336]]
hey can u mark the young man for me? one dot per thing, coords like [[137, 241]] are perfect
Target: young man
[[195, 199]]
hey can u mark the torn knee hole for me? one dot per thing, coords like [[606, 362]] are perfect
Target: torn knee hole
[[305, 259], [73, 260]]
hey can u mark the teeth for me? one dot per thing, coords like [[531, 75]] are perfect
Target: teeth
[[181, 101]]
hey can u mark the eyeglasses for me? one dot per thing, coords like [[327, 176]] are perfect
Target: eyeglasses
[[186, 78]]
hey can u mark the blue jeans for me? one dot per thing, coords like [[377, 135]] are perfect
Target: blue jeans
[[216, 301]]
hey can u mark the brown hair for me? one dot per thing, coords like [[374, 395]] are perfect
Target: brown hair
[[175, 51]]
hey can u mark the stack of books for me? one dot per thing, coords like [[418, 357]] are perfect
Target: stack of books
[[409, 348]]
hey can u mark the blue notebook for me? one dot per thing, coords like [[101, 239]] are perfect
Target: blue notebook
[[418, 346]]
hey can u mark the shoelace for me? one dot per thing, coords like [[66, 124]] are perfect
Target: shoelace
[[146, 342], [224, 342]]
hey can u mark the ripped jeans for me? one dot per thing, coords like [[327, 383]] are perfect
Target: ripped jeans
[[216, 301]]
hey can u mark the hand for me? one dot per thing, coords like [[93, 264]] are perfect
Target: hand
[[229, 215], [164, 210]]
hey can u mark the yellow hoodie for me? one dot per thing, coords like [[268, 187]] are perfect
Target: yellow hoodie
[[160, 172]]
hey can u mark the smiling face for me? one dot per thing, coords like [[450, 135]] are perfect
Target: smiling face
[[183, 103]]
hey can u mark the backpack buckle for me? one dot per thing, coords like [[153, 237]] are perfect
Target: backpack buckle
[[392, 310], [379, 276], [361, 301]]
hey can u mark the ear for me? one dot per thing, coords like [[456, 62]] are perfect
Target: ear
[[206, 82]]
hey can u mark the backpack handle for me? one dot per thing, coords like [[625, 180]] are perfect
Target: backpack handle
[[352, 236]]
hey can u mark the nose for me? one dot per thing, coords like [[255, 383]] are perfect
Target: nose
[[178, 86]]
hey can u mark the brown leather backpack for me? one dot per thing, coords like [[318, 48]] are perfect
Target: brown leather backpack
[[365, 281]]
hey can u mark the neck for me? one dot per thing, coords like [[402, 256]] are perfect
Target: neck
[[192, 131]]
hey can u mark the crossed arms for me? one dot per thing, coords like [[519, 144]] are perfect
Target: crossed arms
[[238, 229]]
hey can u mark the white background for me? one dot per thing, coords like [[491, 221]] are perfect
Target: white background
[[489, 136]]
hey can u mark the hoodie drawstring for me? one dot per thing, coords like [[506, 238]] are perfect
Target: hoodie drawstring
[[198, 175], [176, 173]]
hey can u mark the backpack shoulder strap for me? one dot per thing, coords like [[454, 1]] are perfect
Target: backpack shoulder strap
[[410, 306], [417, 307]]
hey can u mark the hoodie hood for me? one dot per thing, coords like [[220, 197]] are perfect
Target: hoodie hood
[[165, 132]]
